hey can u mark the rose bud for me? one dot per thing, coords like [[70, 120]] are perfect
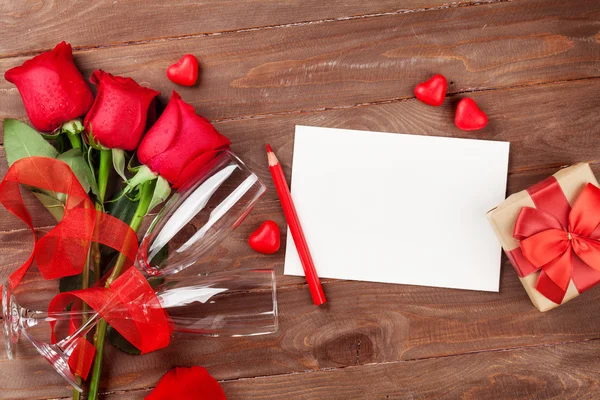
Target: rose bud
[[52, 88], [179, 141], [118, 117]]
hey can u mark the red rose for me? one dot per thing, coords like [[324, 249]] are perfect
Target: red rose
[[118, 116], [52, 88], [179, 140], [193, 383]]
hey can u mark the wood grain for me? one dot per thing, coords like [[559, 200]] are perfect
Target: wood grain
[[548, 126], [365, 323], [108, 22], [531, 65], [559, 112], [344, 63], [567, 372], [15, 245]]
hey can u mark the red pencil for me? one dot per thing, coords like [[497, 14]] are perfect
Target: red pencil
[[291, 216]]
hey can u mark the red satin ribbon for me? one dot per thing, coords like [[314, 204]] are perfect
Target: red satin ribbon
[[136, 312], [63, 250], [82, 357], [561, 242], [130, 306]]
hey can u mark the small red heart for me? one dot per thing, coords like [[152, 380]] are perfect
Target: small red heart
[[469, 117], [433, 91], [266, 239], [185, 71]]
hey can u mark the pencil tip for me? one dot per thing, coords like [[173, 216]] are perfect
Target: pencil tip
[[269, 149]]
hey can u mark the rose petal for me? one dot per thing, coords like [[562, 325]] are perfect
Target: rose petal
[[118, 116], [177, 139], [194, 383], [52, 88]]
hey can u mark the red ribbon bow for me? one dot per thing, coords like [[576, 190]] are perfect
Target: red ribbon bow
[[63, 251], [562, 244]]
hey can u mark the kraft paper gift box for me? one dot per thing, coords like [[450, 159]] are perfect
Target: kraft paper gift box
[[556, 196]]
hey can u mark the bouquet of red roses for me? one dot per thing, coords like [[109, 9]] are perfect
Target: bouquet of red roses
[[67, 160]]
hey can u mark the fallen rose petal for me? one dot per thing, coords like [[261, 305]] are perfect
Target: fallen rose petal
[[194, 383]]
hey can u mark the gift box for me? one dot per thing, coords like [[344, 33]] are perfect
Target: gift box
[[551, 235]]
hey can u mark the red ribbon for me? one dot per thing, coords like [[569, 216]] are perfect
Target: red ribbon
[[130, 306], [63, 252], [561, 242]]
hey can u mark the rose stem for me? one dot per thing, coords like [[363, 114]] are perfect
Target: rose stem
[[73, 129], [146, 192], [94, 253], [103, 173], [85, 283]]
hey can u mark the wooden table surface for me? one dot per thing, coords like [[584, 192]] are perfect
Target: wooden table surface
[[532, 65]]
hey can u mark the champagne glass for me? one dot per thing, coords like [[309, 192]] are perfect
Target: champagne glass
[[201, 213], [230, 303]]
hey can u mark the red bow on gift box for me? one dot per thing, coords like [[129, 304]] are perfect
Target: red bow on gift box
[[561, 242]]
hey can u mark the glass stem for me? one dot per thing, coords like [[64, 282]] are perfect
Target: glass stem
[[68, 344]]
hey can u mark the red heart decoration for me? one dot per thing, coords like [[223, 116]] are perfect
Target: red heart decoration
[[469, 117], [185, 71], [433, 91], [266, 239]]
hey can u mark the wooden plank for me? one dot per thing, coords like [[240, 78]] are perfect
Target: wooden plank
[[343, 63], [567, 372], [537, 120], [108, 22], [561, 113], [232, 253], [364, 323]]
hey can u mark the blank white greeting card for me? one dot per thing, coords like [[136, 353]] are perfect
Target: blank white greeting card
[[397, 208]]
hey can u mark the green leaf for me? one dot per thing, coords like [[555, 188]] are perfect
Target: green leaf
[[60, 144], [117, 340], [130, 165], [162, 190], [52, 136], [92, 142], [118, 158], [21, 140], [69, 283], [74, 127], [89, 158], [121, 206], [78, 165], [91, 178], [52, 204], [143, 174]]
